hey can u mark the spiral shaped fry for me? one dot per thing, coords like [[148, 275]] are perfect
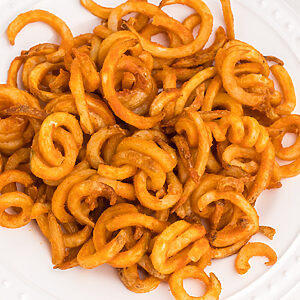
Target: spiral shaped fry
[[15, 199], [171, 248], [232, 233], [193, 126], [176, 283], [47, 162], [253, 249], [244, 131], [109, 66]]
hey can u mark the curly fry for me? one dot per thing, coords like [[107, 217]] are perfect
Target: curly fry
[[253, 249], [131, 279], [41, 16], [176, 283]]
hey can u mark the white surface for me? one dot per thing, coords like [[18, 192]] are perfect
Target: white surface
[[294, 4], [25, 263]]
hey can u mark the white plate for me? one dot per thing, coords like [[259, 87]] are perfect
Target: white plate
[[25, 264]]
